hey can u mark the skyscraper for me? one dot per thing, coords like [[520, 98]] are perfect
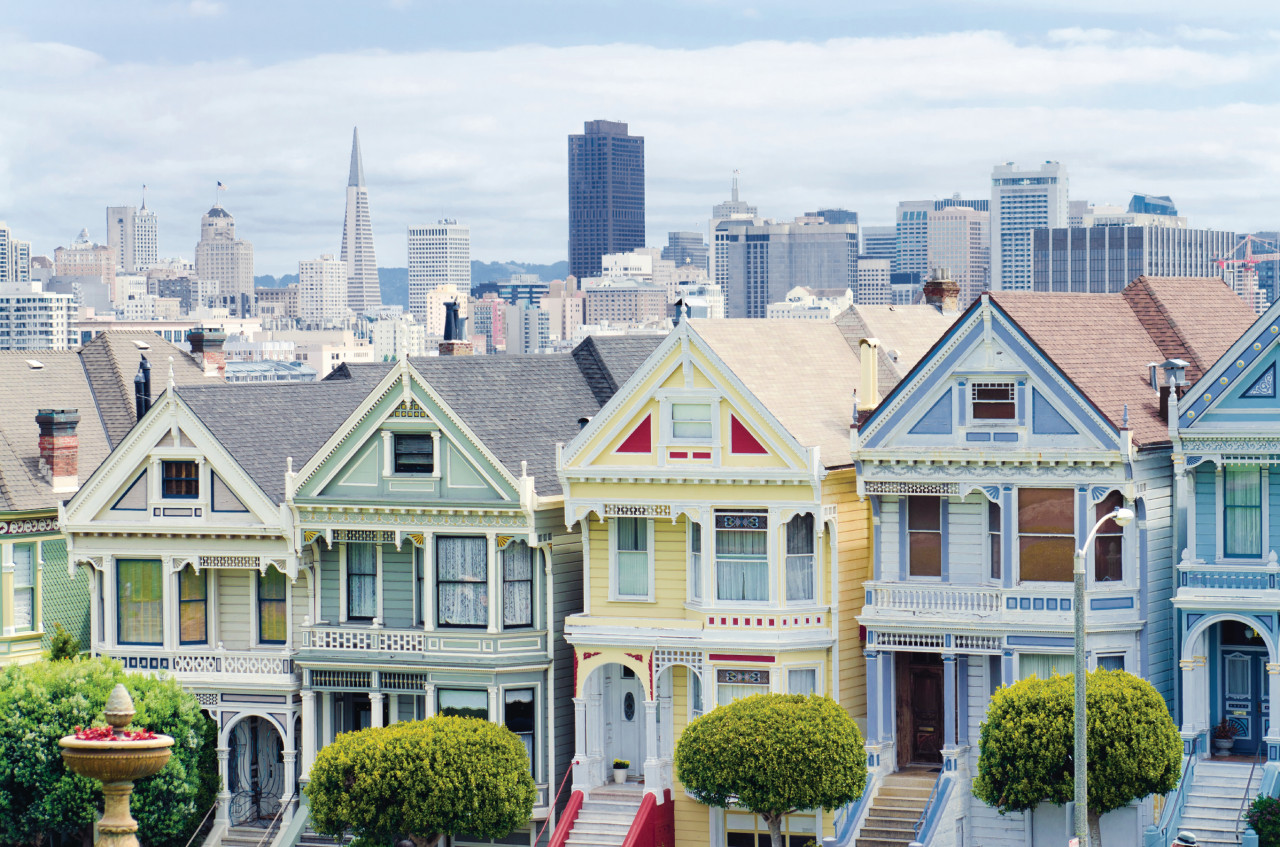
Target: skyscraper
[[760, 262], [229, 260], [132, 233], [686, 247], [322, 292], [732, 209], [1022, 201], [439, 254], [363, 293], [606, 194], [959, 242], [15, 258]]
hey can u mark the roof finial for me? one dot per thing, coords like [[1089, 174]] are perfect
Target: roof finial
[[524, 468], [171, 383]]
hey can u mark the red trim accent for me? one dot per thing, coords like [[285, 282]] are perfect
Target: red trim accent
[[735, 621], [565, 825], [770, 621], [654, 825], [741, 440], [641, 438], [678, 454], [702, 455], [732, 657]]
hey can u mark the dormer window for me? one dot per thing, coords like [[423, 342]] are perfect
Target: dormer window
[[181, 480], [414, 453], [691, 421], [993, 401]]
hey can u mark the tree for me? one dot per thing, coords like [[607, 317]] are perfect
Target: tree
[[422, 780], [1025, 749], [41, 802], [773, 754], [63, 645]]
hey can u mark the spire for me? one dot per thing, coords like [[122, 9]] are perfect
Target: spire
[[735, 185], [357, 166]]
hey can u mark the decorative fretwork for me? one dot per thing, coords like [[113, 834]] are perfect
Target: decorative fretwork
[[966, 643], [207, 699], [665, 657], [372, 536], [636, 510], [340, 679], [195, 664], [344, 639], [739, 676], [404, 641], [397, 681], [309, 536], [915, 640], [255, 665], [254, 562], [941, 489], [411, 409]]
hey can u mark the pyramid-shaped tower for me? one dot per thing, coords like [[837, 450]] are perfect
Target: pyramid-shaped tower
[[363, 293]]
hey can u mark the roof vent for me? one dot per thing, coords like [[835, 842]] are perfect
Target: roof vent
[[141, 345], [34, 364]]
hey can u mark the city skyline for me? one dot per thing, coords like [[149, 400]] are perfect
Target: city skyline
[[487, 149]]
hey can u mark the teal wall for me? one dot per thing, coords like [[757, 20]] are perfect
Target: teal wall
[[65, 600]]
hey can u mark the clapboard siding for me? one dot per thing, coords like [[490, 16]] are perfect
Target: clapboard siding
[[397, 586], [235, 618], [853, 568], [1206, 512], [329, 584], [966, 534]]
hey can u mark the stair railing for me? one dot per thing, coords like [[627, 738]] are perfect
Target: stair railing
[[203, 821], [933, 807], [271, 828], [1172, 817], [1244, 800], [924, 813], [568, 772]]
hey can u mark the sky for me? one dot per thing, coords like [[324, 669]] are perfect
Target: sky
[[464, 109]]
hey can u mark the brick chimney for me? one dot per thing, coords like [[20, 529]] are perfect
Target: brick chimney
[[454, 344], [942, 292], [59, 448], [206, 348]]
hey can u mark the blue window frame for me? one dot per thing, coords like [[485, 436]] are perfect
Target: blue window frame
[[180, 480]]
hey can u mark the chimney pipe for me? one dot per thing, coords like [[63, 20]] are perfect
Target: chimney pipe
[[942, 292], [59, 448], [869, 388], [142, 388], [455, 331]]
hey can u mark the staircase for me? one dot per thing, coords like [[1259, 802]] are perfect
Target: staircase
[[246, 836], [606, 815], [1212, 810], [891, 821]]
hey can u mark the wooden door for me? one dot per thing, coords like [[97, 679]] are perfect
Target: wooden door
[[920, 713]]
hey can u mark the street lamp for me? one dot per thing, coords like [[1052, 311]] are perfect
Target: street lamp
[[1122, 517]]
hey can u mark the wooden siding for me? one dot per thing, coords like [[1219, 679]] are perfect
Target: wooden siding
[[329, 584], [1206, 512], [693, 826], [853, 567], [397, 586], [1156, 576], [566, 599], [670, 562], [235, 618]]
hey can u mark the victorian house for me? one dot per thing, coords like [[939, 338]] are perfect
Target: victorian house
[[1032, 418], [724, 547]]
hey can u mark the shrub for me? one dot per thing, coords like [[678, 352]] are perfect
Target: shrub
[[1264, 817]]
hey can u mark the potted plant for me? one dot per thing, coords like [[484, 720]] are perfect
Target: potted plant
[[1224, 737], [620, 770]]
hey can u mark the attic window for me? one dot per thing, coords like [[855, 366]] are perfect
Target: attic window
[[993, 401], [181, 480], [415, 453], [691, 421]]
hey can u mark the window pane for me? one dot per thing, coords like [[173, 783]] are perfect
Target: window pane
[[993, 401], [924, 513], [180, 479], [462, 581], [463, 702], [138, 601], [1111, 663], [1046, 558], [993, 534], [272, 620], [695, 559], [691, 420], [800, 534], [633, 534], [362, 581], [518, 716], [633, 574], [742, 579], [414, 453], [800, 542], [24, 565], [1237, 677], [925, 553], [517, 584], [1046, 510], [1045, 665], [193, 607], [802, 681], [1242, 521]]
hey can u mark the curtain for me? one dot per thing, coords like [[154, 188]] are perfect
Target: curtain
[[138, 601], [742, 564], [1045, 665], [193, 606], [695, 559], [24, 585], [272, 606], [362, 581], [517, 585], [802, 681], [1242, 534], [633, 557], [800, 541], [727, 692], [462, 576], [695, 693]]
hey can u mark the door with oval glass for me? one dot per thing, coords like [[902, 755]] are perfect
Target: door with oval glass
[[1244, 700], [626, 716]]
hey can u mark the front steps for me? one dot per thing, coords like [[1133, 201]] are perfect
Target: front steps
[[1212, 808], [606, 816], [891, 821], [246, 836]]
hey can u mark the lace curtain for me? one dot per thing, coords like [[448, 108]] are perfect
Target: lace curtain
[[362, 581], [742, 564], [800, 540], [1045, 665], [24, 556], [517, 585], [462, 576]]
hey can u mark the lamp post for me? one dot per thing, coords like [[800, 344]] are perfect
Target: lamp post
[[1122, 517]]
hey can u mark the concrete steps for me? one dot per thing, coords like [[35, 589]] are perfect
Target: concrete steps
[[1212, 808], [606, 816], [245, 836], [891, 821]]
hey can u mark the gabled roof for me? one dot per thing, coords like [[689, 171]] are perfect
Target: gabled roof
[[607, 361], [1176, 313]]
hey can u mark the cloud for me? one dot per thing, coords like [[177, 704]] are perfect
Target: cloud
[[1191, 33], [1078, 35], [480, 135], [205, 8]]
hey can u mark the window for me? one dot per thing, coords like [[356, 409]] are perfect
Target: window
[[517, 585], [518, 716], [691, 421], [180, 480], [1108, 566], [419, 598], [463, 703], [1045, 665], [362, 582], [695, 695], [742, 556], [695, 560], [735, 684], [924, 536], [800, 542], [462, 581], [994, 551], [1242, 516], [631, 540], [1046, 537], [139, 592], [273, 620], [414, 453], [802, 681], [1112, 662], [24, 586], [993, 401], [193, 597]]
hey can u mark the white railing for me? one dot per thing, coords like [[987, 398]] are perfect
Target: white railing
[[260, 663], [937, 598], [376, 640]]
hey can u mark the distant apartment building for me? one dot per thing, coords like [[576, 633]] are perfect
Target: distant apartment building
[[958, 240], [699, 300], [733, 209], [32, 320], [229, 260], [519, 287], [913, 220], [85, 259], [281, 304], [15, 258], [439, 254], [1101, 259], [646, 263], [134, 235], [566, 308], [401, 335], [872, 284], [488, 322], [762, 261], [623, 300], [686, 248], [606, 194], [878, 242], [835, 216], [322, 292], [808, 304], [1022, 200], [528, 328]]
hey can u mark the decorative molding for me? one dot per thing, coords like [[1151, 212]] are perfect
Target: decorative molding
[[29, 526], [941, 489], [636, 510], [1081, 472], [514, 519]]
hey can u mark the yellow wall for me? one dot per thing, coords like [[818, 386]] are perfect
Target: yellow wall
[[853, 567]]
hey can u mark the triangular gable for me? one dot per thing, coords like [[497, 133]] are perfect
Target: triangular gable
[[356, 463], [684, 408], [984, 362], [1240, 388]]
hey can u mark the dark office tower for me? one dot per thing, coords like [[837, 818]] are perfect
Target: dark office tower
[[606, 195]]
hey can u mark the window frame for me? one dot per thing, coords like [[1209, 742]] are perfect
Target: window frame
[[972, 389], [29, 587], [695, 559], [1071, 537], [396, 453], [769, 555], [441, 583], [1226, 507], [119, 606], [259, 601], [440, 690], [533, 558], [348, 576], [995, 541], [911, 532], [708, 422], [166, 478], [817, 676], [533, 689], [614, 594], [1109, 530], [765, 687], [184, 602], [812, 555]]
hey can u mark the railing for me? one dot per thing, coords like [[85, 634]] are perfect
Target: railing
[[1196, 573], [369, 640], [266, 836], [568, 772], [261, 663], [847, 817], [1019, 603], [928, 598], [203, 821], [933, 808], [1172, 817], [1244, 800]]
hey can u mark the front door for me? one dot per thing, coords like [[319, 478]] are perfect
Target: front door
[[626, 704], [1244, 695], [920, 708]]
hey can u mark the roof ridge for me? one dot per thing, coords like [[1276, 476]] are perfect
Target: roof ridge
[[1184, 349]]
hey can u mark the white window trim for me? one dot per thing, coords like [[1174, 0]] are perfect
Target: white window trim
[[819, 688], [535, 554], [701, 600], [1220, 511], [1107, 652], [780, 550], [255, 614], [1128, 554], [713, 675], [666, 438], [771, 544], [614, 596], [1003, 423], [155, 481]]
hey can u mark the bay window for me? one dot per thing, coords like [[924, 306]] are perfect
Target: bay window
[[362, 582], [24, 586], [1242, 512], [463, 702], [517, 585], [631, 557], [273, 618], [924, 535], [518, 715], [139, 602], [742, 556], [1108, 564], [1046, 534], [462, 581], [800, 544], [193, 613]]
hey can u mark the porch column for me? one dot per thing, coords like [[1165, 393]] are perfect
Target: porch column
[[581, 770], [326, 718], [308, 732], [1273, 691], [652, 767], [223, 815], [429, 690], [949, 710], [375, 708], [873, 694], [1195, 694], [393, 708], [962, 701], [290, 786]]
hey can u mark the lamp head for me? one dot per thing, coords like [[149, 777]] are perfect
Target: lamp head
[[1122, 516]]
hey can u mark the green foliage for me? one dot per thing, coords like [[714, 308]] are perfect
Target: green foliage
[[773, 754], [622, 764], [1025, 750], [41, 800], [1264, 817], [63, 644], [425, 779]]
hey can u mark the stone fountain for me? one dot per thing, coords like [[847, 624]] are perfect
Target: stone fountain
[[116, 761]]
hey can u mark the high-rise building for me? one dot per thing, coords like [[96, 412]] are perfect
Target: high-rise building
[[88, 261], [439, 254], [363, 293], [732, 209], [1152, 204], [34, 320], [835, 216], [873, 282], [488, 321], [322, 292], [911, 249], [878, 242], [229, 260], [133, 234], [623, 300], [1022, 201], [958, 241], [760, 262], [686, 248], [1100, 259], [528, 328], [15, 258], [606, 194]]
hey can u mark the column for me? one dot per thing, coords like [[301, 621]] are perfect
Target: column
[[581, 780], [308, 732], [948, 710], [223, 815], [962, 701], [380, 620], [652, 767], [326, 718], [6, 589], [430, 691], [393, 708], [873, 695], [428, 580], [375, 707], [290, 786], [495, 596], [1273, 691]]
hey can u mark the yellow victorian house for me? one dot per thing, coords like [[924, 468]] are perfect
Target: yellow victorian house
[[724, 551]]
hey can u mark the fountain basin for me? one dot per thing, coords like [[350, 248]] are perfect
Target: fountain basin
[[116, 761]]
